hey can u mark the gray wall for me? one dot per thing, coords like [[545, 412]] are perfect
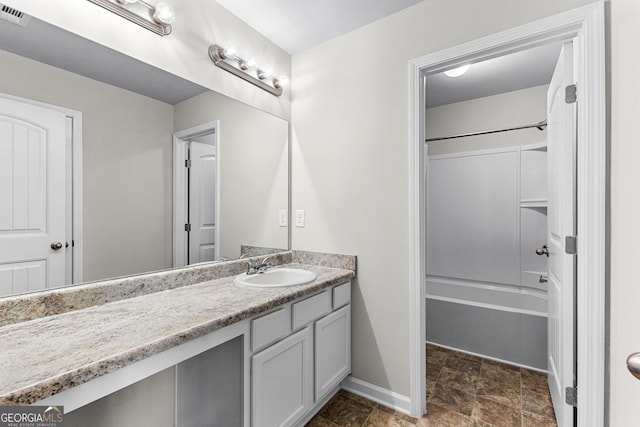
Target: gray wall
[[205, 390], [506, 110], [149, 402]]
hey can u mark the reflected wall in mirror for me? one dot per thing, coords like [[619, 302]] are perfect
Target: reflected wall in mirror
[[121, 221]]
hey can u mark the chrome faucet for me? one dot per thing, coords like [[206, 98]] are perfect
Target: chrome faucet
[[259, 267]]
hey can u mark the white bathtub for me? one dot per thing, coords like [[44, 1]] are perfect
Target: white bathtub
[[502, 322]]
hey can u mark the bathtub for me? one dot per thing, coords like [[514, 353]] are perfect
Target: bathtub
[[501, 322]]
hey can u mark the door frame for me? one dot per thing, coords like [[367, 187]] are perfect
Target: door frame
[[587, 26], [73, 182], [181, 191]]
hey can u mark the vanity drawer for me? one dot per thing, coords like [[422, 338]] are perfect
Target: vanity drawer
[[341, 295], [311, 309], [270, 328]]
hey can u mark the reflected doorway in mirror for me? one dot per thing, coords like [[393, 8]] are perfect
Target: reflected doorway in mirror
[[196, 195]]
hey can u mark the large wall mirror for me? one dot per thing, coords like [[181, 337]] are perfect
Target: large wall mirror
[[128, 133]]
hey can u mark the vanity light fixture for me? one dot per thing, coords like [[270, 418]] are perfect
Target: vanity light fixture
[[228, 60], [156, 18]]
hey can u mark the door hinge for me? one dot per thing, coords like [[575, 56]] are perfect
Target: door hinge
[[570, 94], [187, 163], [571, 245], [187, 227], [571, 396]]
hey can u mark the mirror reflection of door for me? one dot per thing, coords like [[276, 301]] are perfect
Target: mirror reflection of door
[[33, 197], [202, 199]]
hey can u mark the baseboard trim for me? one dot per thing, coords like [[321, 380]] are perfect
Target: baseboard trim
[[378, 394]]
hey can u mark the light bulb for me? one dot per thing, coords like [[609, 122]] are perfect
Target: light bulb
[[281, 81], [230, 51], [251, 63], [164, 13], [457, 72]]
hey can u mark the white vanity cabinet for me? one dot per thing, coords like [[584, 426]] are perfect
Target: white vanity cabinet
[[332, 350], [290, 375], [281, 381]]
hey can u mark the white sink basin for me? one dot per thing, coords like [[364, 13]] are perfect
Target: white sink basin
[[276, 278]]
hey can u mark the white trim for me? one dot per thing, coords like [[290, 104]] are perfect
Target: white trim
[[180, 189], [76, 181], [486, 305], [586, 24], [388, 398], [179, 203], [83, 394], [77, 205]]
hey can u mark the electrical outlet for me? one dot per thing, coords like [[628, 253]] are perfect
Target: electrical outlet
[[282, 218], [300, 218]]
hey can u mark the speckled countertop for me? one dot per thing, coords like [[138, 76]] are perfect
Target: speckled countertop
[[44, 356]]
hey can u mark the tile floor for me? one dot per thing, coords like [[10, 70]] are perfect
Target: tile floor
[[462, 390]]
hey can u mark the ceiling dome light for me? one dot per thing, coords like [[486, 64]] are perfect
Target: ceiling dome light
[[164, 13], [457, 72]]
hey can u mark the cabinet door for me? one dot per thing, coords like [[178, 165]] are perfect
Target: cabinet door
[[332, 350], [281, 381]]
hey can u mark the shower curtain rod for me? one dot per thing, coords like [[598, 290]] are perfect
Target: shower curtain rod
[[540, 125]]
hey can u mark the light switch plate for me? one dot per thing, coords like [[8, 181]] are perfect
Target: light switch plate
[[282, 218], [300, 218]]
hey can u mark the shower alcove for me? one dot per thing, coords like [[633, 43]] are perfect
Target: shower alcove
[[486, 286]]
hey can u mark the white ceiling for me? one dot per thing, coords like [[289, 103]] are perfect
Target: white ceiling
[[520, 70], [295, 25]]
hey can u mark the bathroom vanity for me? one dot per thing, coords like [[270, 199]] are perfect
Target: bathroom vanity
[[235, 355]]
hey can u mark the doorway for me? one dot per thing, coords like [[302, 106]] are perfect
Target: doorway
[[196, 195], [585, 26], [489, 294]]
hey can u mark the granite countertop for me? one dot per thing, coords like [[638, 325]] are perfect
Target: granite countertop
[[45, 356]]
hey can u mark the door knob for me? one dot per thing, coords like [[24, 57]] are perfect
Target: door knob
[[543, 250], [633, 364], [56, 246]]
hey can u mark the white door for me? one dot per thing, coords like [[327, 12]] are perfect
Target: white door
[[32, 197], [202, 202], [561, 216]]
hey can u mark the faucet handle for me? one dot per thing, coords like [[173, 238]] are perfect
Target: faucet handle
[[252, 268]]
